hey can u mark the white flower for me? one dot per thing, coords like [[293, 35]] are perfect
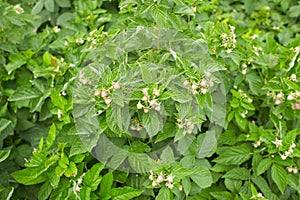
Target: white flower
[[146, 110], [278, 101], [139, 105], [290, 169], [228, 51], [203, 83], [59, 113], [283, 157], [207, 74], [18, 9], [56, 29], [180, 188], [280, 95], [203, 90], [157, 107], [180, 126], [104, 93], [170, 178], [66, 43], [244, 65], [293, 77], [145, 91], [108, 101], [186, 83], [145, 98], [115, 86], [97, 93], [244, 71], [194, 9], [295, 170], [79, 41], [154, 183], [291, 97], [170, 185], [156, 92], [153, 103], [194, 86], [277, 143], [160, 178], [224, 36], [151, 177]]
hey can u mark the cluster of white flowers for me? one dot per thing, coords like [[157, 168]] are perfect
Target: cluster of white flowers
[[257, 143], [245, 96], [18, 9], [229, 41], [77, 183], [200, 87], [187, 124], [160, 178], [79, 41], [105, 93], [289, 152], [56, 29], [292, 169], [258, 196], [150, 103], [279, 98], [256, 50]]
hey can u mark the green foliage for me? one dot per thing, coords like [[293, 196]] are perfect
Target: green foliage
[[250, 48]]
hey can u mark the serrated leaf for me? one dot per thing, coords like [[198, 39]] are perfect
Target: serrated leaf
[[51, 135], [222, 195], [141, 162], [63, 3], [294, 11], [71, 170], [207, 143], [167, 156], [152, 122], [125, 193], [24, 94], [239, 173], [234, 155], [279, 176], [6, 193], [264, 165], [92, 178], [201, 176], [146, 74], [164, 193]]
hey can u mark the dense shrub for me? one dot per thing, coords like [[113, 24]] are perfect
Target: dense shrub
[[149, 99]]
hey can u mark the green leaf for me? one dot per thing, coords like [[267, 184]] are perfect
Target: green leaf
[[294, 11], [30, 176], [141, 162], [24, 93], [85, 193], [234, 155], [207, 143], [4, 154], [222, 195], [63, 3], [201, 176], [264, 165], [71, 170], [6, 193], [152, 123], [45, 191], [167, 155], [16, 62], [146, 74], [106, 184], [51, 135], [279, 176], [239, 173], [254, 82], [49, 5], [92, 178], [164, 193], [125, 193], [37, 8]]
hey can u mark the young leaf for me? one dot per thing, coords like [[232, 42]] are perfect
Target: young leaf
[[124, 193], [234, 155], [279, 176], [106, 185], [238, 173], [30, 176], [201, 176], [92, 178]]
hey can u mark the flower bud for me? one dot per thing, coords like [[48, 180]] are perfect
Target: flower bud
[[139, 105]]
